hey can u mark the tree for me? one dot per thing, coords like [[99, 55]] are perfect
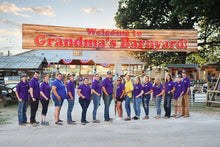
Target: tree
[[202, 15]]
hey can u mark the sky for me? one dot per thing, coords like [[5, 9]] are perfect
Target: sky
[[70, 13]]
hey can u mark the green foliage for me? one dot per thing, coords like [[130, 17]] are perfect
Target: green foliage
[[202, 15]]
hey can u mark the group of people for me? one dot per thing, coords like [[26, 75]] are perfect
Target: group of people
[[120, 90]]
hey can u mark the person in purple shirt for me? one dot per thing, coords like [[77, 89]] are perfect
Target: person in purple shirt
[[107, 87], [58, 95], [169, 89], [120, 91], [22, 96], [44, 99], [178, 93], [148, 89], [35, 96], [158, 91], [137, 94], [185, 103], [96, 96], [84, 92], [70, 99]]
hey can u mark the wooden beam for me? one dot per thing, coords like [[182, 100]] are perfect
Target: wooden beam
[[213, 91], [143, 42], [215, 102]]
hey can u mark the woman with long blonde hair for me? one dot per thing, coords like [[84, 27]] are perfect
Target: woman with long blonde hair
[[138, 92], [158, 91]]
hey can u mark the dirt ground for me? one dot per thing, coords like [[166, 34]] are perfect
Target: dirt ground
[[201, 129]]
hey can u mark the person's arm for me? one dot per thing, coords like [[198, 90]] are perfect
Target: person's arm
[[188, 87], [71, 96], [149, 92], [43, 95], [181, 93], [104, 90], [32, 94], [164, 87], [54, 89], [93, 91], [69, 91], [17, 95], [79, 93], [173, 89], [142, 91], [123, 92], [162, 92], [187, 91]]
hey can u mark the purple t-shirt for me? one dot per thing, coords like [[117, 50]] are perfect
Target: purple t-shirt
[[97, 86], [120, 88], [45, 88], [22, 89], [186, 82], [36, 87], [147, 87], [137, 90], [70, 88], [85, 91], [157, 89], [179, 88], [108, 84], [60, 88], [169, 86]]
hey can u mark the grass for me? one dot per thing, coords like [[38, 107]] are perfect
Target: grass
[[202, 107], [4, 120]]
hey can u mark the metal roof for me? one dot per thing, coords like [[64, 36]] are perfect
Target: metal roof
[[99, 57], [212, 63], [182, 65], [21, 62]]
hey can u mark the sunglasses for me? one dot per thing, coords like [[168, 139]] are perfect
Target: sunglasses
[[118, 80]]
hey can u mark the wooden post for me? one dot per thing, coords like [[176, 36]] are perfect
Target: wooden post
[[209, 101], [215, 88]]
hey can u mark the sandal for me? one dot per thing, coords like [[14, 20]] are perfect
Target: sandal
[[127, 119]]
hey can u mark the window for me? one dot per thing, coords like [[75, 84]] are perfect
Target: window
[[77, 52]]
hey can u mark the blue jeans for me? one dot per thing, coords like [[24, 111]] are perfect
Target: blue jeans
[[84, 104], [146, 101], [70, 109], [22, 109], [96, 101], [107, 102], [58, 103], [127, 105], [157, 103], [137, 106], [167, 104]]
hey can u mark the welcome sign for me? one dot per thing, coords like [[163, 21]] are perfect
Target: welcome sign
[[69, 38]]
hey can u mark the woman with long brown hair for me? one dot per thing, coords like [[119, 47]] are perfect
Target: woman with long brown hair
[[169, 89], [44, 99], [158, 91], [148, 89]]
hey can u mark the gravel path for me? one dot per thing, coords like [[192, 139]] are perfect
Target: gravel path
[[201, 129]]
